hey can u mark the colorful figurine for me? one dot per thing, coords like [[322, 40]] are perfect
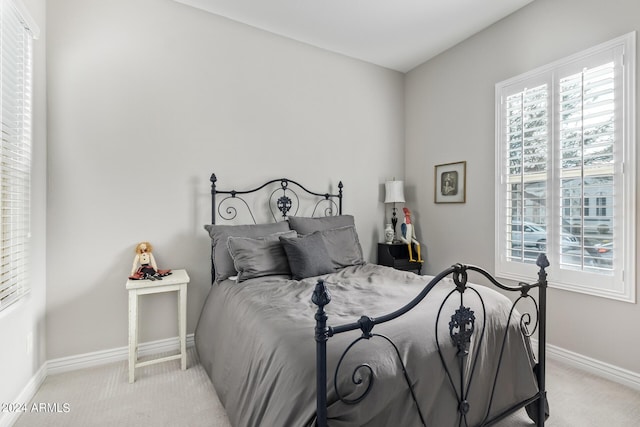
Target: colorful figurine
[[144, 264], [409, 236]]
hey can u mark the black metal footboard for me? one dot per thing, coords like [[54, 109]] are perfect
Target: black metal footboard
[[461, 329]]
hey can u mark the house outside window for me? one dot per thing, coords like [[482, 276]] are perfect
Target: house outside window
[[565, 179]]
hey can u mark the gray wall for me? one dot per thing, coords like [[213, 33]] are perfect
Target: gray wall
[[146, 99], [459, 85], [25, 320]]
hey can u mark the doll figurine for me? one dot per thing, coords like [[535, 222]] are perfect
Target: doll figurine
[[409, 236], [144, 264]]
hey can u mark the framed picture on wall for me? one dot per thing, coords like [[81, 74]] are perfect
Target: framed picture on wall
[[450, 183]]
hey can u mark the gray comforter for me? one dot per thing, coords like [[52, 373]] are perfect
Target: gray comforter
[[255, 340]]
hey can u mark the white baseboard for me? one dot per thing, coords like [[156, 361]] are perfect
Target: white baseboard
[[596, 367], [7, 419], [87, 360], [605, 370]]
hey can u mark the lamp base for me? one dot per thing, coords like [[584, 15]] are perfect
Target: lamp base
[[394, 222], [389, 235]]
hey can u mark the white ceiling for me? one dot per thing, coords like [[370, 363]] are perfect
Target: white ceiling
[[397, 34]]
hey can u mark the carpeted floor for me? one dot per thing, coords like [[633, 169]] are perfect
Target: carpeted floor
[[163, 395]]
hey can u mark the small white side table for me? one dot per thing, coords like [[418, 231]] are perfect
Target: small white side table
[[177, 281]]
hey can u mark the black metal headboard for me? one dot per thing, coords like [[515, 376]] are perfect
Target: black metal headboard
[[284, 197]]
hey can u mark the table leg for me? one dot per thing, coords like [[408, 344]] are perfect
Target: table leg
[[182, 324], [133, 334]]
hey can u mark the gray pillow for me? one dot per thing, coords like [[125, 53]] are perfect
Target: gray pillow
[[343, 246], [307, 256], [259, 257], [307, 225], [222, 262]]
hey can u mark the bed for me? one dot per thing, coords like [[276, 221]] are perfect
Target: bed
[[299, 330]]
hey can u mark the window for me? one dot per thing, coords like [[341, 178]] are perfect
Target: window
[[16, 34], [565, 178]]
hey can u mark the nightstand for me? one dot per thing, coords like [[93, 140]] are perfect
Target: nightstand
[[177, 282], [396, 255]]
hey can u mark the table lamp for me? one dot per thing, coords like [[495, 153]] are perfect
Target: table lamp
[[394, 193]]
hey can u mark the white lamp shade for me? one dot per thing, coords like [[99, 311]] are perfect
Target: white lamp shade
[[394, 192]]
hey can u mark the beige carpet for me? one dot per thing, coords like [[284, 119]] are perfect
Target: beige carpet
[[163, 395]]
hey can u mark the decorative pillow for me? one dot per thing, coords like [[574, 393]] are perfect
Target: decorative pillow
[[259, 257], [343, 246], [222, 262], [307, 225], [307, 255]]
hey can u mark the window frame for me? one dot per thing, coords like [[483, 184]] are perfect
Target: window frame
[[622, 285]]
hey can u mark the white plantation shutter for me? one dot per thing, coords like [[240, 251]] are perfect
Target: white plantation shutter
[[527, 137], [15, 151], [565, 181], [587, 161]]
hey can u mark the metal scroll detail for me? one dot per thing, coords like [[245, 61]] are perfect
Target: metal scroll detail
[[329, 210], [463, 320], [281, 202], [461, 329], [229, 212], [364, 374], [288, 203], [332, 208], [525, 318], [284, 203]]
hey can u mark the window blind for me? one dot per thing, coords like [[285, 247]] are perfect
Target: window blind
[[566, 180], [527, 139], [15, 152], [586, 169]]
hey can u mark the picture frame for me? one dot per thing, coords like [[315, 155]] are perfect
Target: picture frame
[[450, 183]]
